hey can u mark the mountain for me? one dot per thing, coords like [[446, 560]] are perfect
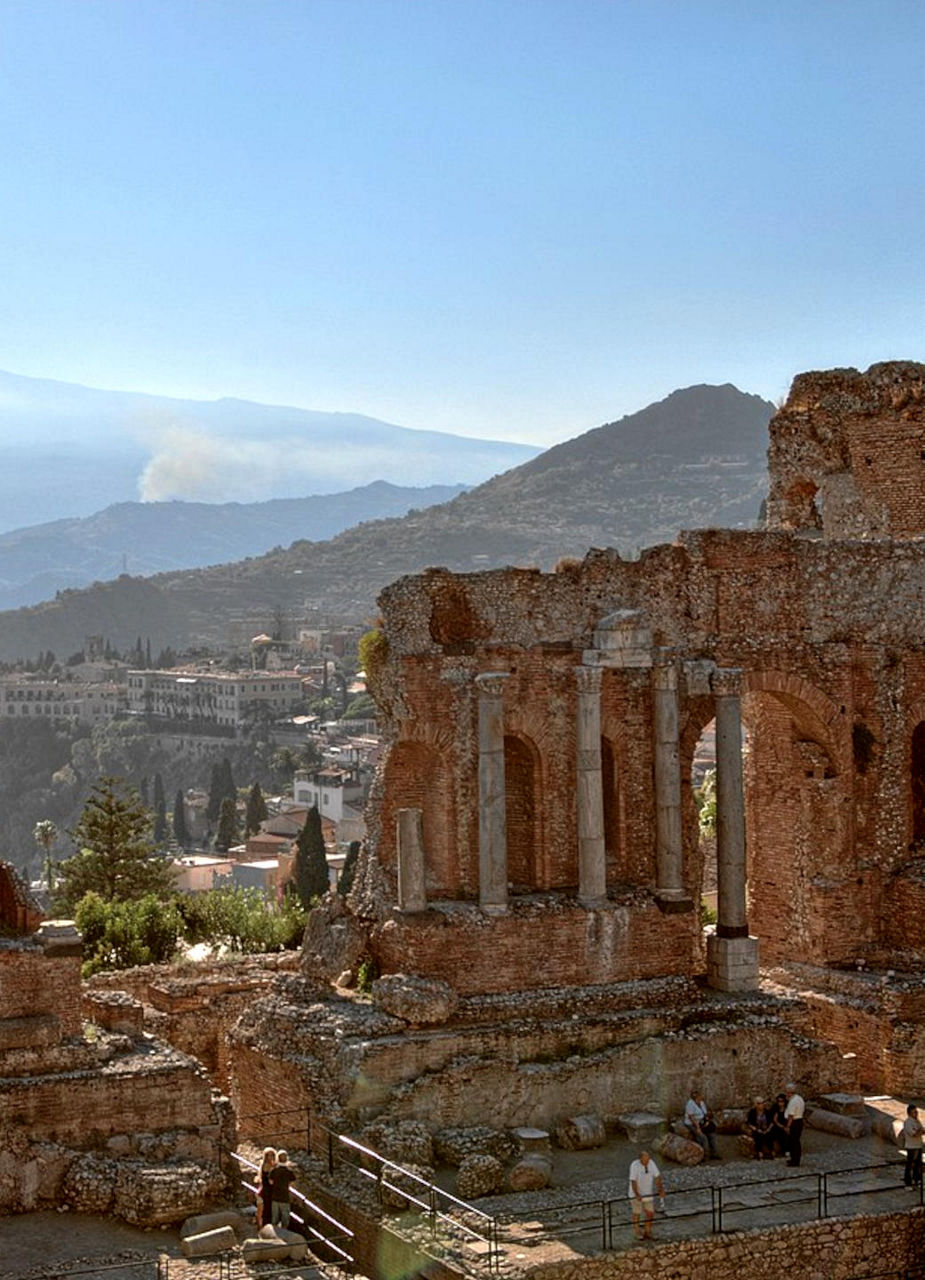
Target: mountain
[[67, 450], [144, 538], [694, 459]]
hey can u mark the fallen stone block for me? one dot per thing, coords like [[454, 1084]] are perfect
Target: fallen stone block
[[203, 1222], [845, 1104], [581, 1133], [532, 1141], [531, 1173], [274, 1250], [833, 1122], [479, 1176], [208, 1242], [643, 1128], [680, 1150], [730, 1120]]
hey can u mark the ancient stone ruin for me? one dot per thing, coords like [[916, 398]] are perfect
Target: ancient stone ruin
[[101, 1117], [531, 886]]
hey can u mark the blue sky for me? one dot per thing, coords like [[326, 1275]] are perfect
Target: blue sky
[[507, 218]]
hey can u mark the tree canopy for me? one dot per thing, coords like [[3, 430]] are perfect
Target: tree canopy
[[115, 854], [256, 811]]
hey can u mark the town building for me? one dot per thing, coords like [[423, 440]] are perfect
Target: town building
[[29, 697], [234, 699]]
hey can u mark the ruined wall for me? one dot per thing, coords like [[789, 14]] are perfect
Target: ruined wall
[[847, 453], [35, 985], [827, 635]]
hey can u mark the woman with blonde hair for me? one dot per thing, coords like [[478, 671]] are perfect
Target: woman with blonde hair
[[264, 1190]]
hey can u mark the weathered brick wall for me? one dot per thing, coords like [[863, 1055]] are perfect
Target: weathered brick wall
[[33, 984], [556, 944], [846, 453]]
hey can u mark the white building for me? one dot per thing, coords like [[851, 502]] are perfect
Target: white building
[[30, 698], [218, 697]]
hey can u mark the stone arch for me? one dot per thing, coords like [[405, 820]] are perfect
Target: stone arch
[[523, 800], [798, 780], [417, 776]]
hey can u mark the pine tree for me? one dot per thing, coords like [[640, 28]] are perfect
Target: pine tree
[[114, 855], [311, 865], [180, 829], [349, 869], [256, 811], [227, 826], [160, 810]]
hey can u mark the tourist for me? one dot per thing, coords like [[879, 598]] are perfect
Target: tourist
[[281, 1178], [758, 1128], [911, 1139], [644, 1179], [264, 1191], [780, 1139], [793, 1117], [700, 1124]]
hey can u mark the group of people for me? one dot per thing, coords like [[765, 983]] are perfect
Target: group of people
[[776, 1128], [276, 1177]]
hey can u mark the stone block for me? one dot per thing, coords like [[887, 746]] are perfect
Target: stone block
[[532, 1141], [203, 1222], [221, 1240], [680, 1150], [845, 1104], [274, 1250], [732, 963], [479, 1176], [643, 1128], [833, 1122], [530, 1173], [581, 1133], [424, 1001]]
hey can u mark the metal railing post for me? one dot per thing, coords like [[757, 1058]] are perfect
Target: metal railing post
[[330, 1151], [433, 1211], [822, 1208], [605, 1225]]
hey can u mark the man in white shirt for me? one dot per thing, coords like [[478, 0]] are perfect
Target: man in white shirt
[[700, 1125], [793, 1115], [645, 1178]]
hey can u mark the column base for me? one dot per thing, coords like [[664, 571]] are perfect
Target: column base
[[732, 963], [493, 908], [593, 904]]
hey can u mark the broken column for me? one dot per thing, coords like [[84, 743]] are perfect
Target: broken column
[[412, 894], [492, 796], [732, 956], [592, 861], [669, 857]]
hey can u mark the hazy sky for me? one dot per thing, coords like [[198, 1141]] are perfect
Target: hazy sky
[[509, 218]]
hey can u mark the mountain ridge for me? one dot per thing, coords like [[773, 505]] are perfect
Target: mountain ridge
[[594, 492]]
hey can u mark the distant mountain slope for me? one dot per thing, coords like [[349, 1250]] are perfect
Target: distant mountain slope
[[143, 538], [694, 459], [67, 450]]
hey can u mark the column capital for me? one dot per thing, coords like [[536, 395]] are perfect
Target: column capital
[[665, 671], [588, 679], [726, 682], [492, 682]]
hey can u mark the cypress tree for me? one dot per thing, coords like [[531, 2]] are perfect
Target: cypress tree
[[349, 869], [256, 811], [180, 829], [160, 810], [227, 825], [311, 866]]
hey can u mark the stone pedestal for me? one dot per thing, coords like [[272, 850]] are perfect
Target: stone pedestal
[[732, 963]]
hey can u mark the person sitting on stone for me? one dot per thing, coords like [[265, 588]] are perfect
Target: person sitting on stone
[[758, 1128], [779, 1135], [700, 1124]]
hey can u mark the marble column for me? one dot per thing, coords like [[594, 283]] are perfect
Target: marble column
[[492, 796], [412, 895], [669, 849], [732, 956], [589, 794]]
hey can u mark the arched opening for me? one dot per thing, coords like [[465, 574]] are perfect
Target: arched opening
[[703, 790], [521, 786], [417, 778], [917, 784]]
